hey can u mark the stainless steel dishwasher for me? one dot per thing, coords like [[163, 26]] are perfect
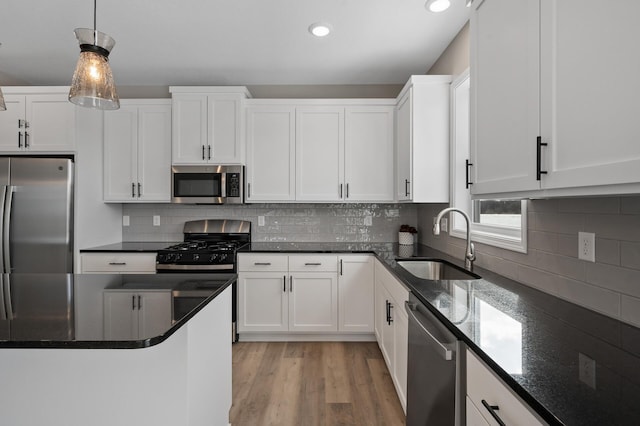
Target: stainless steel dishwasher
[[434, 381]]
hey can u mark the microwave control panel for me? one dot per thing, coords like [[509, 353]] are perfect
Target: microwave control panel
[[233, 184]]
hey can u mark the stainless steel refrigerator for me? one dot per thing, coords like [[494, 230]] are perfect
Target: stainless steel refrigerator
[[36, 215]]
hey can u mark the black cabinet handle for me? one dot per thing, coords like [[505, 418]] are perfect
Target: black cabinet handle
[[340, 190], [249, 190], [26, 138], [389, 307], [139, 189], [341, 267], [284, 283], [313, 264], [203, 152], [539, 145], [19, 139], [406, 187], [117, 263], [133, 302], [139, 302], [291, 283], [467, 182], [347, 193], [262, 263], [133, 190], [209, 151], [492, 410]]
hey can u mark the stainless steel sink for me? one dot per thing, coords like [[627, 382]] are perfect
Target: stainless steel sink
[[436, 270]]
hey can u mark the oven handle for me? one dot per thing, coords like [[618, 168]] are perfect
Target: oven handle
[[443, 348], [174, 267]]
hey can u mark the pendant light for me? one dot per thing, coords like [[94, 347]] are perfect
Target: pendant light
[[3, 106], [92, 85]]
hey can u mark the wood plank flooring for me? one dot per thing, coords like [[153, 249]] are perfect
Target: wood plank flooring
[[312, 383]]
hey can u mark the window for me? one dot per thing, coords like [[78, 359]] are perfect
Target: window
[[501, 223]]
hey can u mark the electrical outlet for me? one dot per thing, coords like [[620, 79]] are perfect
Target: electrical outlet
[[587, 246], [260, 220], [125, 220], [156, 220], [368, 220], [587, 370]]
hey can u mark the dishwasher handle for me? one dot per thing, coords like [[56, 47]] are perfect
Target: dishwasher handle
[[445, 351]]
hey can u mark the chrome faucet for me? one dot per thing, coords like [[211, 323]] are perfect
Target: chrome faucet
[[470, 255]]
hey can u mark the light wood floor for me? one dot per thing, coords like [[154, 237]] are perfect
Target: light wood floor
[[312, 383]]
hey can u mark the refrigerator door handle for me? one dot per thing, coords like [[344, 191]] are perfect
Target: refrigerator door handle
[[7, 297], [3, 306], [6, 228], [3, 198]]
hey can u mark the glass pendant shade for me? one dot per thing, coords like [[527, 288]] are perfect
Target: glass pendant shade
[[92, 85], [3, 106]]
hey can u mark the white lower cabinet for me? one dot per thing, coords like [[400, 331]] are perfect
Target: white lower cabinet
[[392, 327], [305, 294], [485, 392], [136, 314], [118, 263]]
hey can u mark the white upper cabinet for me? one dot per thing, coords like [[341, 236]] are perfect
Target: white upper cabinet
[[207, 125], [37, 119], [368, 153], [137, 152], [422, 140], [548, 117], [320, 151], [271, 153]]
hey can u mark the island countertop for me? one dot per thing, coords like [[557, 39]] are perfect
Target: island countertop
[[67, 310]]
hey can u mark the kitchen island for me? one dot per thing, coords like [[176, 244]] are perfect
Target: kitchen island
[[60, 366]]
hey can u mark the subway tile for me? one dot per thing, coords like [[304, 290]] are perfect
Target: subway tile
[[608, 251], [605, 205], [539, 279], [544, 241], [596, 298], [629, 254], [615, 227], [630, 205], [630, 310], [614, 278], [543, 206], [560, 223], [568, 245], [560, 265]]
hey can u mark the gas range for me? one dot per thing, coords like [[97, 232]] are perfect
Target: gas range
[[209, 246]]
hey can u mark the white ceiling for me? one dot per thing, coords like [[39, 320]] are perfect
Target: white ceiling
[[229, 42]]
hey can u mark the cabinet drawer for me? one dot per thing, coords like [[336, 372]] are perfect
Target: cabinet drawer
[[313, 263], [263, 262], [119, 262], [482, 384]]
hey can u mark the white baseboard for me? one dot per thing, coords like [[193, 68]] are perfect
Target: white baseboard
[[290, 337]]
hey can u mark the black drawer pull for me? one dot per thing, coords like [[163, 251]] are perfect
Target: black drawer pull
[[312, 264], [492, 410], [117, 263], [262, 263]]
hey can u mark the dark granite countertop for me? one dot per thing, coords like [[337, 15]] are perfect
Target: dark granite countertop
[[132, 247], [66, 310], [531, 339]]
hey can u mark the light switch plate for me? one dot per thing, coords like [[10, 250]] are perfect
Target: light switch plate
[[587, 246], [156, 220]]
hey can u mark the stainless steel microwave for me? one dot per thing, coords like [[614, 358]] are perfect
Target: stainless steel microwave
[[207, 184]]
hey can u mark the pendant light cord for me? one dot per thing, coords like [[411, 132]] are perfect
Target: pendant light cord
[[95, 31]]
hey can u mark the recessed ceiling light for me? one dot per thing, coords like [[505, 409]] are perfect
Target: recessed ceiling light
[[320, 29], [437, 5]]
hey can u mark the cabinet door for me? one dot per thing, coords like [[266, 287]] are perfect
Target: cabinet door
[[368, 158], [313, 302], [319, 153], [589, 117], [401, 350], [474, 418], [120, 315], [120, 154], [271, 152], [505, 87], [224, 120], [52, 123], [154, 313], [262, 301], [356, 294], [154, 152], [12, 137], [189, 129], [404, 123]]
